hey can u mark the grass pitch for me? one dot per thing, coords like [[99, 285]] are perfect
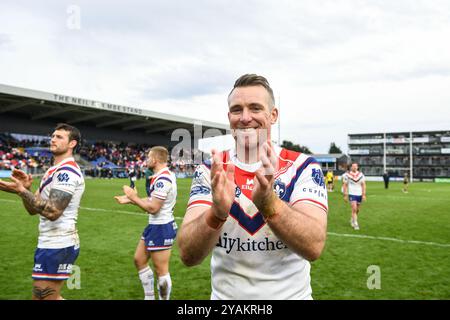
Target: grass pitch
[[404, 236]]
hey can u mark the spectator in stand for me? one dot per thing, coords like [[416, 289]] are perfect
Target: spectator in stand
[[13, 154]]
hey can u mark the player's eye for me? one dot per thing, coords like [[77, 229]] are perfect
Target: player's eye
[[256, 108], [235, 110]]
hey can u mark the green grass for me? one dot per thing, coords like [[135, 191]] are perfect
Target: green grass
[[108, 240]]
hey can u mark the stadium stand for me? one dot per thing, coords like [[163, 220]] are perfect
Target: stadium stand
[[115, 137], [100, 159]]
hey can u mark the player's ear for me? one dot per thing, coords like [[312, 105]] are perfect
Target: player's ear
[[273, 115], [73, 144]]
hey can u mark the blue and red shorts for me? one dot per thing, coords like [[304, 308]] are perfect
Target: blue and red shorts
[[54, 264], [159, 236]]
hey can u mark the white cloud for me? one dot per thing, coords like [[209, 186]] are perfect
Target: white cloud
[[339, 66]]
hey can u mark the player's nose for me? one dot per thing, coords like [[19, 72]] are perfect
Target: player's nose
[[246, 116]]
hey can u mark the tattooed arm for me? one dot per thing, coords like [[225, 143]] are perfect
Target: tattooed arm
[[29, 208], [26, 180], [52, 208]]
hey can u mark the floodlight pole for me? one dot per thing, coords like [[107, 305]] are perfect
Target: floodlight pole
[[384, 152], [279, 120], [410, 157]]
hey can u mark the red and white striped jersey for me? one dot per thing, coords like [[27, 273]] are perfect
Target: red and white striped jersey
[[249, 261], [61, 233], [163, 186]]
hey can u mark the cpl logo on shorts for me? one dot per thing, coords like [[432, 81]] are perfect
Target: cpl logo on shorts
[[37, 267], [168, 242], [65, 268]]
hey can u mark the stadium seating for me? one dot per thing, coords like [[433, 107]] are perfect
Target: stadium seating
[[102, 159]]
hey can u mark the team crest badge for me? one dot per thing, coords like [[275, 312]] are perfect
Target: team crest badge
[[279, 188], [238, 192], [197, 175]]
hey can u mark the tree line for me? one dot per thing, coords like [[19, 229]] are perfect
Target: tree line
[[304, 149]]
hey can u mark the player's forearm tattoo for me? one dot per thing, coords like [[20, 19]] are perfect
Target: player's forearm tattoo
[[41, 294], [51, 208], [29, 208]]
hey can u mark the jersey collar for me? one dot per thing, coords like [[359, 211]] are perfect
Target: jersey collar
[[249, 167]]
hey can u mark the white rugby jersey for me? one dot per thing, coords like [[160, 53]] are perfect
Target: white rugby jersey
[[163, 185], [61, 233], [249, 261], [354, 182]]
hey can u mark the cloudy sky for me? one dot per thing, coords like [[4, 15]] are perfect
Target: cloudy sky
[[336, 66]]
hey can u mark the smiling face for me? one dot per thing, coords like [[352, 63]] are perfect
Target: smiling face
[[251, 115]]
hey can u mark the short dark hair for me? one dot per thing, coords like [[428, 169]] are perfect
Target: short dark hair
[[251, 79], [74, 133]]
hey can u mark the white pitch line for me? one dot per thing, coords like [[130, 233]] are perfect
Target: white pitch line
[[445, 245], [96, 209], [405, 197], [113, 211], [10, 201], [118, 211]]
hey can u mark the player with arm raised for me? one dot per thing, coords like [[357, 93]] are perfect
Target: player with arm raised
[[56, 202], [260, 209], [158, 237]]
